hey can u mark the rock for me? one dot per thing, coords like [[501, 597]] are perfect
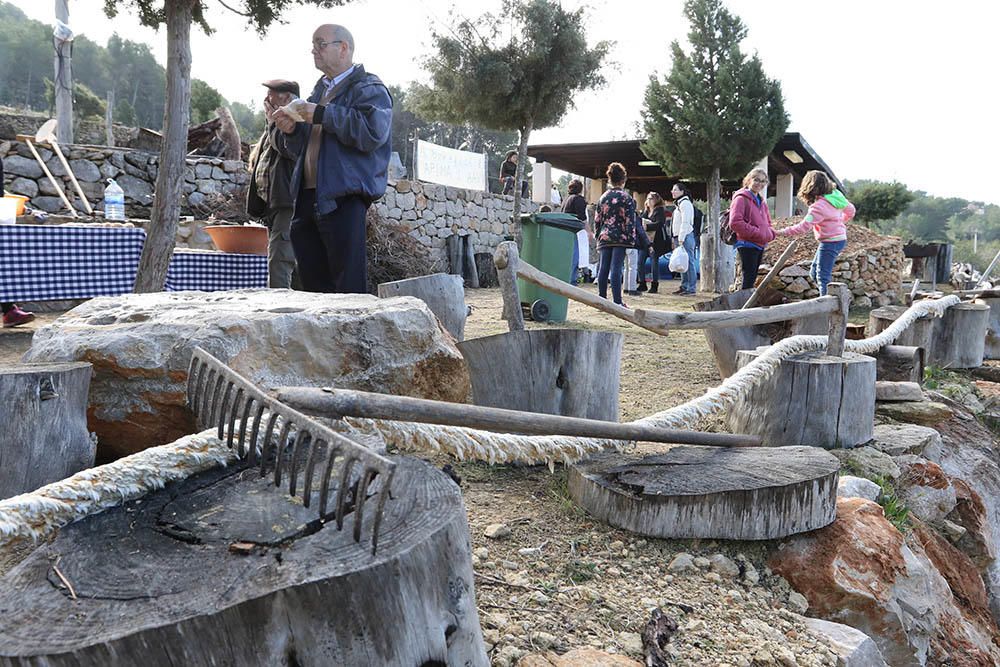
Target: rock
[[898, 391], [196, 199], [852, 647], [724, 566], [631, 642], [508, 656], [682, 562], [795, 271], [858, 487], [543, 639], [482, 552], [22, 166], [23, 186], [135, 189], [581, 657], [202, 170], [925, 489], [141, 344], [927, 413], [85, 171], [797, 286], [797, 602], [867, 462], [952, 531], [971, 515], [861, 571], [48, 204], [713, 577], [898, 439], [701, 562], [862, 302], [750, 574], [497, 531]]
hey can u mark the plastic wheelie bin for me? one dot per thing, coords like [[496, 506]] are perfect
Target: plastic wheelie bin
[[547, 244]]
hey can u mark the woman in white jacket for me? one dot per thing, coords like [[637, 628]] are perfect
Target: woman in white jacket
[[682, 229]]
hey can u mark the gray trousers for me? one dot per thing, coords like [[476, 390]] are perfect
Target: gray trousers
[[280, 256]]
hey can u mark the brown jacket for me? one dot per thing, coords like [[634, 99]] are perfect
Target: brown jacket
[[270, 176]]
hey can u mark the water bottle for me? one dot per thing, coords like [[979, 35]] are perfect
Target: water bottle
[[114, 201]]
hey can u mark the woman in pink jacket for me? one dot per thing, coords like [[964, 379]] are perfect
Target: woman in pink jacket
[[750, 219], [829, 210]]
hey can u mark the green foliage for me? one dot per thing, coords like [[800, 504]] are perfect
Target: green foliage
[[204, 101], [716, 108], [250, 123], [895, 510], [559, 492], [260, 14], [125, 113], [934, 377], [86, 104], [879, 201], [579, 571]]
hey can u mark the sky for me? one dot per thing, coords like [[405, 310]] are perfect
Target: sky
[[881, 89]]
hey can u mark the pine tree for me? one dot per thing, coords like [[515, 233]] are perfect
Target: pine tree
[[714, 116]]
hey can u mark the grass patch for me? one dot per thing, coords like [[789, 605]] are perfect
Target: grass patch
[[896, 511], [579, 571], [558, 491]]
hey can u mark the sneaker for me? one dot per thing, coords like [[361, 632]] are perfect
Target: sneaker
[[16, 317]]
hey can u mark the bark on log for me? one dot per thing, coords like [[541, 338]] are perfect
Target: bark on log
[[506, 260], [696, 492], [898, 391], [725, 343], [443, 293], [956, 340], [567, 372], [44, 437], [811, 399], [900, 363], [224, 569], [991, 349]]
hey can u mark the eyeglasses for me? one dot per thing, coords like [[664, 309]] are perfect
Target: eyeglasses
[[319, 44], [761, 180]]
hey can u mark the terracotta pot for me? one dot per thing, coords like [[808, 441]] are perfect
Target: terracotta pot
[[246, 240]]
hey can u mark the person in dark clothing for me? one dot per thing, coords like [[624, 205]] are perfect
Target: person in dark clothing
[[12, 315], [269, 196], [614, 219], [576, 205], [657, 224], [342, 150], [508, 174]]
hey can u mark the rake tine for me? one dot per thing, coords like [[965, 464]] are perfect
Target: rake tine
[[300, 443], [343, 489], [310, 469], [204, 399], [254, 432], [324, 491], [215, 396], [232, 410], [244, 424], [220, 418], [194, 374], [282, 440], [267, 446], [383, 495], [359, 500]]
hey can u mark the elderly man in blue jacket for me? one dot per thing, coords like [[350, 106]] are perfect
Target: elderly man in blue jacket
[[342, 149]]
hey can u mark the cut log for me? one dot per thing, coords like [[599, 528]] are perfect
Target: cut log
[[812, 399], [44, 437], [443, 294], [469, 271], [506, 261], [696, 492], [956, 340], [918, 334], [486, 269], [725, 343], [900, 363], [898, 391], [223, 569], [991, 349], [568, 372]]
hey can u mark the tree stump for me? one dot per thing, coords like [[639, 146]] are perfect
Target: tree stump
[[567, 372], [812, 399], [900, 363], [443, 293], [726, 342], [224, 569], [991, 349], [956, 340], [44, 437], [735, 493]]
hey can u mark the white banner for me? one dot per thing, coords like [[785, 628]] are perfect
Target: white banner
[[460, 169]]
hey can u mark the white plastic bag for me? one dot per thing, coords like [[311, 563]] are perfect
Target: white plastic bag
[[679, 260], [296, 110]]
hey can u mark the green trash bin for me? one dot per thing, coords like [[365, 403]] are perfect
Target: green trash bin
[[547, 244]]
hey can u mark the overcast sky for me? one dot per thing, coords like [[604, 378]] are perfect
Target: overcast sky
[[882, 89]]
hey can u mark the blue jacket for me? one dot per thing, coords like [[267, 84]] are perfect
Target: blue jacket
[[354, 155]]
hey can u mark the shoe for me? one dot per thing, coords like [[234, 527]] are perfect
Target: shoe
[[679, 290], [631, 292], [654, 287], [687, 293], [16, 317], [642, 287]]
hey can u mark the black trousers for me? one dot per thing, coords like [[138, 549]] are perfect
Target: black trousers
[[749, 262], [330, 249]]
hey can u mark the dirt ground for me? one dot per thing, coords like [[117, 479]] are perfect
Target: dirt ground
[[562, 580]]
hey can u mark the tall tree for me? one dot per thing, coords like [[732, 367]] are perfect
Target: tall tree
[[876, 200], [517, 74], [178, 15], [712, 117]]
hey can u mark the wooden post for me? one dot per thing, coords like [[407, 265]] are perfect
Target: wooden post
[[914, 291], [778, 265], [838, 319], [506, 261], [109, 119], [63, 65], [725, 343], [469, 272], [989, 269]]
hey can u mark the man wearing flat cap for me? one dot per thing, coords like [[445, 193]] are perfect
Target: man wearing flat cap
[[270, 197], [341, 136]]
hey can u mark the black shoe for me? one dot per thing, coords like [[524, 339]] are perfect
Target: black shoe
[[642, 287], [654, 288]]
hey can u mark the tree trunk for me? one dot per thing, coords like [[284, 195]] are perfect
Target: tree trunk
[[162, 230], [717, 263], [225, 569], [522, 157]]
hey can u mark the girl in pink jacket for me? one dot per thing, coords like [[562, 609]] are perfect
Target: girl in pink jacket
[[829, 210]]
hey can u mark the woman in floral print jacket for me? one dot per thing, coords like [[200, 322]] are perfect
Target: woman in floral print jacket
[[614, 219]]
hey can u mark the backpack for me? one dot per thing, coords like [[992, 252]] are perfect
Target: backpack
[[726, 233], [698, 217]]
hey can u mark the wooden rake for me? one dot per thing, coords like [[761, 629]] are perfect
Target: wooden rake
[[222, 398]]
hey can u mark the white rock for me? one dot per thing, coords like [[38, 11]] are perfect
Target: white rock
[[797, 602], [724, 566], [852, 647], [631, 642], [897, 439], [497, 531], [858, 487], [682, 562]]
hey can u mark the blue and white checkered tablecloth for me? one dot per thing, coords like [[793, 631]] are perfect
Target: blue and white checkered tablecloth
[[212, 271], [41, 263]]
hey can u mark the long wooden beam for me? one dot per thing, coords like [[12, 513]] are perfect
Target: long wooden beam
[[720, 319], [778, 266], [338, 403]]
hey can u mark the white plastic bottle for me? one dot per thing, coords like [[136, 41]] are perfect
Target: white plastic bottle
[[114, 201]]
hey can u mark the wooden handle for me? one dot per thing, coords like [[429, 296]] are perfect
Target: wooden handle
[[337, 403], [780, 264]]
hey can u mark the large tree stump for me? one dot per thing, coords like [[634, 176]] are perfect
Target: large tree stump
[[811, 399], [566, 372], [44, 437], [991, 349], [956, 340], [900, 363], [726, 342], [443, 293], [225, 569], [711, 492]]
